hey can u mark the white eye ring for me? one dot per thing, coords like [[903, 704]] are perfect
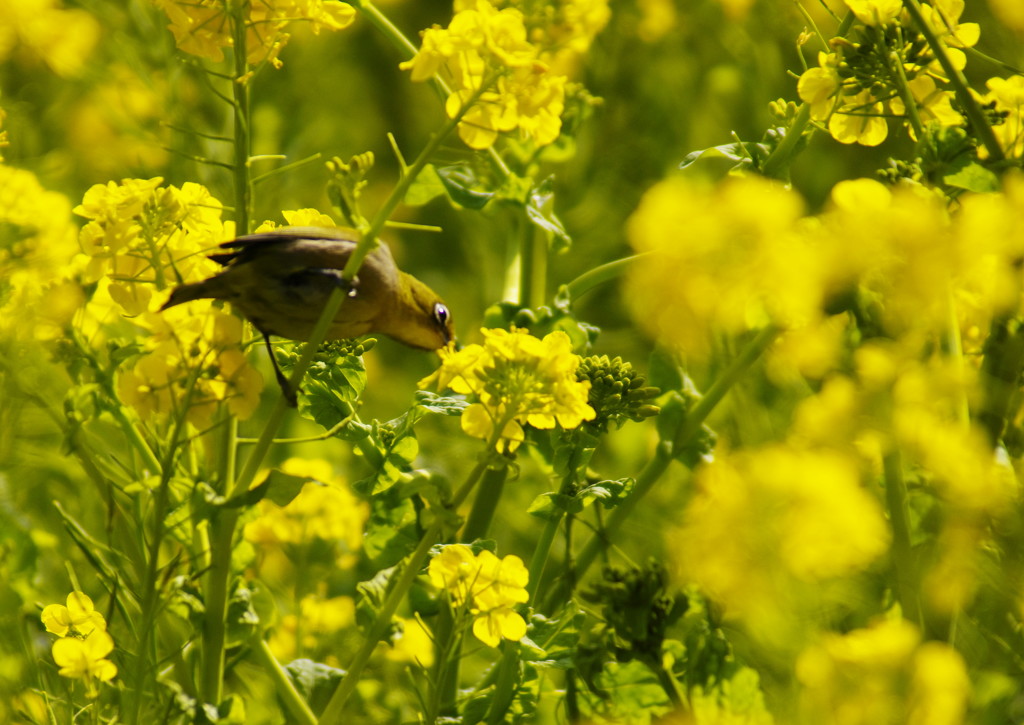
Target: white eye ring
[[441, 314]]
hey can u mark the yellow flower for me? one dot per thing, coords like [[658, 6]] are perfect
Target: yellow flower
[[943, 17], [325, 509], [202, 27], [882, 674], [1008, 96], [724, 260], [414, 643], [84, 659], [61, 37], [875, 12], [859, 120], [517, 380], [488, 586], [485, 45], [768, 529], [933, 104], [818, 86], [77, 619]]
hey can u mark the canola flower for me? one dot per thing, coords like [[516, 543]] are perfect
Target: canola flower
[[769, 529], [61, 37], [516, 380], [856, 85], [498, 81], [319, 618], [140, 238], [882, 673], [77, 619], [204, 27], [489, 587], [38, 292], [84, 644], [325, 509]]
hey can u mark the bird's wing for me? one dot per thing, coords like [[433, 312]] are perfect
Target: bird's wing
[[253, 246]]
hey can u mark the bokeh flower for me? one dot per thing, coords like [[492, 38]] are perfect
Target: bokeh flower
[[517, 380]]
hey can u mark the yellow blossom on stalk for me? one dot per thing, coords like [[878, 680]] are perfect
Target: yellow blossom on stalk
[[882, 674], [934, 105], [1008, 96], [498, 81], [203, 27], [61, 37], [819, 86], [325, 509], [943, 17], [769, 530], [517, 380], [859, 120], [85, 659], [490, 587], [725, 259], [77, 619], [875, 12]]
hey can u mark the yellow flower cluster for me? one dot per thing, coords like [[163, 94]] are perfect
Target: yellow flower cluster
[[770, 529], [325, 510], [853, 101], [490, 587], [741, 255], [84, 643], [61, 37], [498, 81], [517, 380], [142, 238], [204, 27], [38, 296], [883, 673], [562, 30]]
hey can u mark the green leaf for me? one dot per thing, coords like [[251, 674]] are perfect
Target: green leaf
[[283, 487], [973, 177], [392, 530], [540, 210], [609, 493], [742, 155], [315, 681], [463, 187], [551, 506], [427, 187], [439, 404]]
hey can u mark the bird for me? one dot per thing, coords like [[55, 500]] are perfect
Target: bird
[[280, 281]]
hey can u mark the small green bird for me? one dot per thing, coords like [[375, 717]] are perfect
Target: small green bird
[[281, 281]]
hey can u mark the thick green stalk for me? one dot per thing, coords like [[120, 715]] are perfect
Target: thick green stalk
[[222, 527], [478, 523], [533, 267], [600, 274]]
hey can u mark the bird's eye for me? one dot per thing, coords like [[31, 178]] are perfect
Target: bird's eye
[[441, 314]]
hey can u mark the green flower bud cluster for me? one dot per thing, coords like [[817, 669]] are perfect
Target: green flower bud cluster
[[617, 392]]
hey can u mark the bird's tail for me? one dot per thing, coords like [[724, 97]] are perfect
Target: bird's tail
[[187, 293]]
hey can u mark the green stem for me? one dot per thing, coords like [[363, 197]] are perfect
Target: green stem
[[666, 451], [903, 88], [222, 525], [147, 658], [899, 517], [600, 274], [959, 83], [336, 706], [478, 523], [533, 267], [296, 706], [777, 164]]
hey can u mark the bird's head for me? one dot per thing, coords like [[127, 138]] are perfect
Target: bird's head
[[421, 319]]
